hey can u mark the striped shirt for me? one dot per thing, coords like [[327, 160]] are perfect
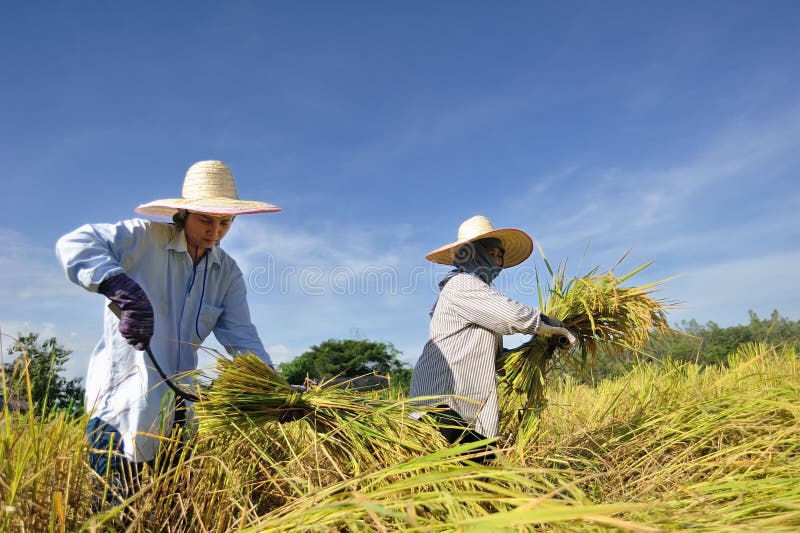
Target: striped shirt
[[457, 364]]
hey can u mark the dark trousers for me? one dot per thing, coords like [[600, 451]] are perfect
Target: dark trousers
[[457, 431]]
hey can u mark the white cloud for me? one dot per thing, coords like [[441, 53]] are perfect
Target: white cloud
[[333, 260], [280, 353], [642, 203], [79, 343], [29, 272], [724, 292], [714, 219]]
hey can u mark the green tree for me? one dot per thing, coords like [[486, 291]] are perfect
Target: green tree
[[40, 364], [346, 358]]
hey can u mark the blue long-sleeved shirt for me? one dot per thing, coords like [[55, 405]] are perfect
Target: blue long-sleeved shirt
[[189, 302]]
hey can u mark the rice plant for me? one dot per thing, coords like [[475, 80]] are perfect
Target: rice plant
[[712, 448], [43, 483], [438, 492]]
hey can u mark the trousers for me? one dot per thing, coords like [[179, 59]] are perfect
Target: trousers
[[457, 431], [122, 475]]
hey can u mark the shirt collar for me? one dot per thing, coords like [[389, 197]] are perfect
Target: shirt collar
[[178, 243]]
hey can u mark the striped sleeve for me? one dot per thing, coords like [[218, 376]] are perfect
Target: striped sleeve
[[478, 303]]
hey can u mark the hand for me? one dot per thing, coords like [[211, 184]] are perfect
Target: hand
[[567, 340], [137, 319], [565, 337]]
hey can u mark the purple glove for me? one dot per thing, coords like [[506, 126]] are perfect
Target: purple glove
[[136, 321]]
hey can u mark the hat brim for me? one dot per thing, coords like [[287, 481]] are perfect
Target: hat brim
[[214, 206], [518, 247]]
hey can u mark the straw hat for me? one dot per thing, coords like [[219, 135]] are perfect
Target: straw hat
[[207, 188], [517, 243]]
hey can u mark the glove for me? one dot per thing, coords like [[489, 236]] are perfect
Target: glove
[[550, 321], [552, 326], [136, 321]]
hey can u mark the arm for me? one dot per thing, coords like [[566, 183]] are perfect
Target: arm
[[95, 252], [478, 303], [92, 258], [234, 328]]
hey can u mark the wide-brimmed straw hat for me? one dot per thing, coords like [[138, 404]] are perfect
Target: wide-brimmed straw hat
[[208, 187], [518, 244]]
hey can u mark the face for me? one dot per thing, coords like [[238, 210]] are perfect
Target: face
[[497, 254], [204, 230]]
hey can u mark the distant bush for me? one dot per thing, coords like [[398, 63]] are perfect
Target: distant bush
[[348, 358], [707, 344]]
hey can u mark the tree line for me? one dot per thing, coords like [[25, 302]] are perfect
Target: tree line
[[705, 344]]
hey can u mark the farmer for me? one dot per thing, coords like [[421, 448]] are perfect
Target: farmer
[[456, 371], [174, 286]]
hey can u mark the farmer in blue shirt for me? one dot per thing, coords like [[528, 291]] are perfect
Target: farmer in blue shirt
[[174, 286]]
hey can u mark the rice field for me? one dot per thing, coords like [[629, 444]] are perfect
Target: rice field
[[665, 447]]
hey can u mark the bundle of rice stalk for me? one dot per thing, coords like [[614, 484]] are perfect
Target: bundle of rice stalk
[[352, 429], [605, 316], [247, 392]]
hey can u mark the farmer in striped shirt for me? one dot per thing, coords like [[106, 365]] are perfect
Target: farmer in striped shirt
[[456, 371]]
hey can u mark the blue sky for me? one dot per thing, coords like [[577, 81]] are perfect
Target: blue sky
[[668, 128]]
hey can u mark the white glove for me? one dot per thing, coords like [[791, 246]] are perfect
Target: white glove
[[566, 338]]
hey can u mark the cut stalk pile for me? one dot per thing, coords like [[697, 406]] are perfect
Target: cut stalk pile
[[354, 429]]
